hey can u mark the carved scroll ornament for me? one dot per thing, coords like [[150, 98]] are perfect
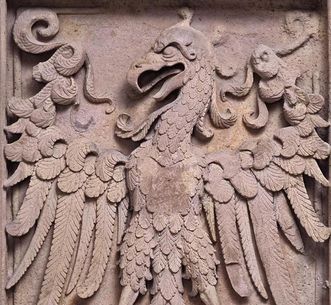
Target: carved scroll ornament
[[158, 195]]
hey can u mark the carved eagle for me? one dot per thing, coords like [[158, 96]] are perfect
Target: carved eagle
[[156, 199]]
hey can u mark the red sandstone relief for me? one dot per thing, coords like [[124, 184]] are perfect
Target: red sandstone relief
[[159, 195]]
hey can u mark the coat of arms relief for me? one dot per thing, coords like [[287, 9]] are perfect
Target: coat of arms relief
[[167, 206]]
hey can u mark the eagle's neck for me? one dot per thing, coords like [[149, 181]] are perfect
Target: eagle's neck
[[174, 129]]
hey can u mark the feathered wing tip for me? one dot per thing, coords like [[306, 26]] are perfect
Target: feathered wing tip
[[105, 222], [262, 214], [286, 221], [86, 235], [67, 225], [231, 248], [44, 224], [31, 207], [304, 210], [209, 208], [247, 242], [23, 171]]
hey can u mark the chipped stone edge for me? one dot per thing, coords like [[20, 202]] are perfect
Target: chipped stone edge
[[328, 8], [3, 94], [3, 98]]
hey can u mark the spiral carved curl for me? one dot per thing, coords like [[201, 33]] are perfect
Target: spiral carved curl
[[59, 70]]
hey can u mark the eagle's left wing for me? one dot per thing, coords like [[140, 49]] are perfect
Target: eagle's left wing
[[252, 193]]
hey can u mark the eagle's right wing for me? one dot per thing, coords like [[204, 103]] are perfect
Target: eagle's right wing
[[73, 189]]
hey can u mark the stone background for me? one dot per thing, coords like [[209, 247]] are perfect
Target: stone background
[[114, 34]]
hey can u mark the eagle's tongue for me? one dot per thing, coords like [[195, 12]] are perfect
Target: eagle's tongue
[[169, 86]]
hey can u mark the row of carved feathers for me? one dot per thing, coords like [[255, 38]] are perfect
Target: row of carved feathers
[[256, 189], [150, 251], [64, 176], [263, 170], [79, 190], [176, 119]]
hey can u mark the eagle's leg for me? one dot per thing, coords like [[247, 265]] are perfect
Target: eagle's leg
[[128, 296], [200, 260], [209, 296], [136, 250]]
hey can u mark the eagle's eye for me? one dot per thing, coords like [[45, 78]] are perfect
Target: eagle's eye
[[169, 52], [265, 56]]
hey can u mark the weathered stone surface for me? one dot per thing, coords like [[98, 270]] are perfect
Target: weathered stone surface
[[151, 153]]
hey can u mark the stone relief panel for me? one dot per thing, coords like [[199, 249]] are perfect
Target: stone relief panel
[[185, 170]]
